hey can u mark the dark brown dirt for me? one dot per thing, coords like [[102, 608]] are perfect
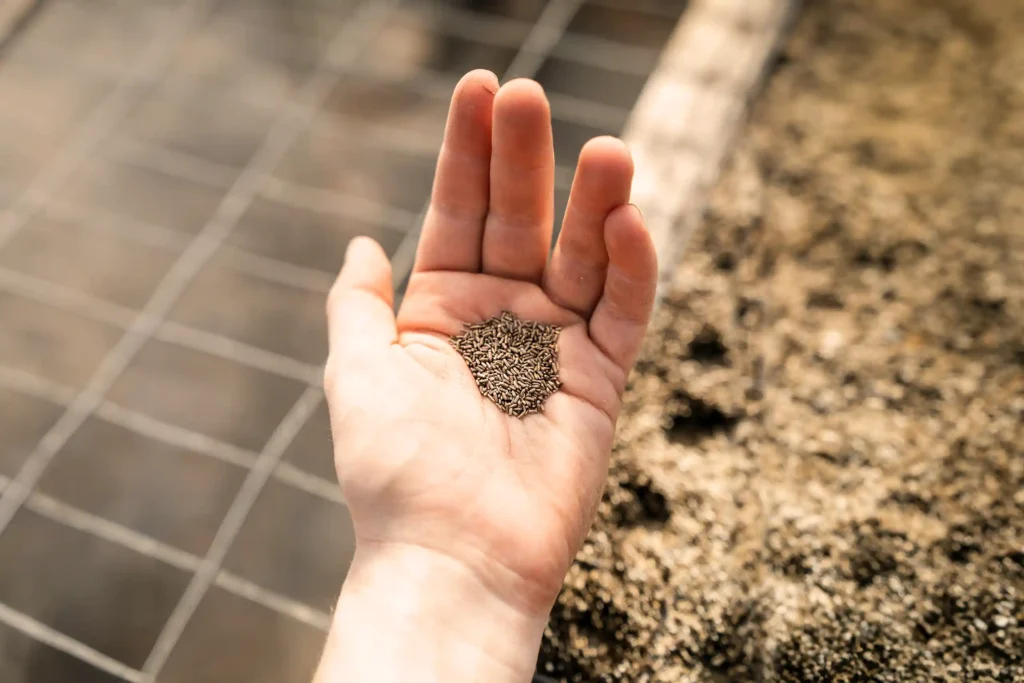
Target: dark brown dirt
[[819, 474]]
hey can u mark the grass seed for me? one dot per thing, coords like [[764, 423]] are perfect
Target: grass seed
[[514, 362]]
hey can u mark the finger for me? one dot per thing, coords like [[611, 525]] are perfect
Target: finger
[[517, 235], [575, 277], [360, 319], [624, 310], [454, 225]]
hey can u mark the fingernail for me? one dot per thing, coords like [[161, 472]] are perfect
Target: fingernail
[[639, 213]]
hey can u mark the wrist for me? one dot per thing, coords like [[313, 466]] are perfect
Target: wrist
[[409, 613]]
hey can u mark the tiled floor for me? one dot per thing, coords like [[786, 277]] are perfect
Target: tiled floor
[[178, 184]]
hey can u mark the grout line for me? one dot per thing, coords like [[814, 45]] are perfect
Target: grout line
[[294, 609], [189, 264], [48, 636], [575, 110], [310, 483], [125, 537], [107, 530], [70, 299], [543, 36], [100, 123], [148, 234], [174, 163], [171, 435], [346, 47], [281, 272], [194, 169], [655, 11], [581, 49], [239, 352], [330, 202], [606, 54], [206, 575]]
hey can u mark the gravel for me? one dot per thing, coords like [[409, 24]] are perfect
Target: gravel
[[818, 475]]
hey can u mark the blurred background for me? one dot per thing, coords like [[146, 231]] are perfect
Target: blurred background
[[178, 181]]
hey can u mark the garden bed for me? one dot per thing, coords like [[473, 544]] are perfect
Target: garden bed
[[819, 471]]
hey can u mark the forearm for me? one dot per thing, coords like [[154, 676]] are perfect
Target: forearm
[[414, 616]]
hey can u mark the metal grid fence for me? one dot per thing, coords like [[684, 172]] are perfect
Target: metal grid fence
[[658, 181], [544, 39]]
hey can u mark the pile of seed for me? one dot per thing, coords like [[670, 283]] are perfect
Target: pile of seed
[[514, 362]]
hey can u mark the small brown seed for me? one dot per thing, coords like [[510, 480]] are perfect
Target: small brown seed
[[514, 362]]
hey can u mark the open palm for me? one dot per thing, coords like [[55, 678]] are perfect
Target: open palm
[[424, 459]]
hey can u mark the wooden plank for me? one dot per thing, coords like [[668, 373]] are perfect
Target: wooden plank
[[691, 108]]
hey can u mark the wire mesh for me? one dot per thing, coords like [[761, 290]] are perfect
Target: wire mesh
[[548, 36]]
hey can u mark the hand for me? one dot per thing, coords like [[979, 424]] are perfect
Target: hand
[[436, 476]]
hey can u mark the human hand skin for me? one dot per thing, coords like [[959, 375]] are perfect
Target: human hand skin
[[466, 519]]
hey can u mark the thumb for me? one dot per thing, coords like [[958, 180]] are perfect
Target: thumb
[[360, 315]]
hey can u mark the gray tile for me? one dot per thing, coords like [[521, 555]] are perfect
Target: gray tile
[[206, 394], [623, 25], [24, 420], [571, 136], [44, 100], [265, 314], [25, 660], [237, 60], [671, 9], [111, 33], [39, 109], [25, 157], [295, 544], [70, 581], [88, 259], [174, 495], [519, 10], [408, 46], [400, 104], [313, 450], [304, 237], [312, 20], [54, 344], [216, 129], [143, 194], [231, 639], [347, 162], [590, 83]]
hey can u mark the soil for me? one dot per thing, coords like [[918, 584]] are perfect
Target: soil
[[819, 470]]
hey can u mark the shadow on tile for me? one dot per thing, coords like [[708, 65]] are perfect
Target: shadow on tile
[[313, 450], [207, 394], [24, 420], [622, 25], [215, 129], [109, 34], [304, 237], [171, 494], [69, 581], [143, 194], [296, 544], [412, 43], [232, 639], [51, 343], [268, 315], [590, 83], [88, 259], [26, 660]]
